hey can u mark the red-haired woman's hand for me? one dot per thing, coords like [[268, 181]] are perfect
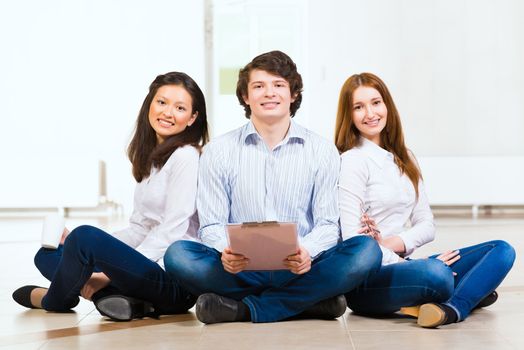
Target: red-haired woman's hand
[[369, 227]]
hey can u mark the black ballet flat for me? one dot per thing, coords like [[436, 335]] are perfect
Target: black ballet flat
[[124, 308], [23, 296]]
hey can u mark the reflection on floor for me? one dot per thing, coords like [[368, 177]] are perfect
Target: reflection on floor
[[496, 327]]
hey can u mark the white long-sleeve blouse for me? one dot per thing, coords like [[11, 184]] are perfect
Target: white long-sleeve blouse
[[370, 178], [164, 206]]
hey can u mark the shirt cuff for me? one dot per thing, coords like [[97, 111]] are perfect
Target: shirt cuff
[[388, 256], [220, 245], [409, 245], [153, 254], [312, 249]]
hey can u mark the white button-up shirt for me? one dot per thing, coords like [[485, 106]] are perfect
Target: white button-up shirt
[[164, 206], [370, 178]]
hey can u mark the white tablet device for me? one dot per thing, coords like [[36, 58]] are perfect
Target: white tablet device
[[266, 244]]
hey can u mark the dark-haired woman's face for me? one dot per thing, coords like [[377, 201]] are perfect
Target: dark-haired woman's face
[[170, 112]]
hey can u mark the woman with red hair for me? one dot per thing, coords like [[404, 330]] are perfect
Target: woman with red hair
[[380, 190]]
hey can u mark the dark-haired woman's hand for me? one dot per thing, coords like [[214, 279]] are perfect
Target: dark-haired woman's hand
[[65, 233]]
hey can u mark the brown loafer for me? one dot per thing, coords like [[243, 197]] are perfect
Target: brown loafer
[[431, 316], [427, 315]]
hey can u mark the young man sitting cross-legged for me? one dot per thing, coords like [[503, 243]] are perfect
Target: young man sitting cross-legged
[[270, 169]]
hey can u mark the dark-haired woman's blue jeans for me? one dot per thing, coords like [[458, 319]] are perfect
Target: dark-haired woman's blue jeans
[[275, 295], [88, 249], [480, 269]]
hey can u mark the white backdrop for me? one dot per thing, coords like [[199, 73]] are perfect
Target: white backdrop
[[454, 68], [73, 73]]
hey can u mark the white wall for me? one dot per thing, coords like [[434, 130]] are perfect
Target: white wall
[[454, 68], [245, 29], [73, 75]]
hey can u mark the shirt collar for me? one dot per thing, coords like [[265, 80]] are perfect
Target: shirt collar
[[296, 133], [375, 152], [250, 134]]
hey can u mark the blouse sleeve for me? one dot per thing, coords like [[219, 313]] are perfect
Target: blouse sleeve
[[352, 187], [135, 233], [351, 192], [179, 204], [422, 228]]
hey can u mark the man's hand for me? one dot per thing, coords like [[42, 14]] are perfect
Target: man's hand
[[233, 263], [97, 281], [300, 262]]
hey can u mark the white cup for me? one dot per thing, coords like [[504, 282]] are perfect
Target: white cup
[[52, 230]]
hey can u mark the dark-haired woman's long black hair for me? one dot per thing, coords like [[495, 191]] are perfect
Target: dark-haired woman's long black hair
[[143, 151]]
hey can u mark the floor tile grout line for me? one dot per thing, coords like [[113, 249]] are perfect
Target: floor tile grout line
[[47, 335], [348, 332], [201, 337], [85, 317]]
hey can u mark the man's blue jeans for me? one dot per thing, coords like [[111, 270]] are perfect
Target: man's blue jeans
[[275, 295], [480, 269], [88, 249]]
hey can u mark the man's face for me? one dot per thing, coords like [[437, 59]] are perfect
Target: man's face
[[268, 96]]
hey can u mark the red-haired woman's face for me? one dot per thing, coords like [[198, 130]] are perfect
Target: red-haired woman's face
[[369, 113]]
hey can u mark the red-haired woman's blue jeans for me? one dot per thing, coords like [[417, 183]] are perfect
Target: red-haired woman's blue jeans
[[480, 269], [88, 249]]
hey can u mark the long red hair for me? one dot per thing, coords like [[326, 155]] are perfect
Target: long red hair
[[347, 135]]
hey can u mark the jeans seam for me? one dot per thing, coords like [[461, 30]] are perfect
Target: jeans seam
[[468, 274], [75, 286], [463, 281], [252, 309], [77, 281], [459, 317], [132, 272], [491, 245], [434, 291]]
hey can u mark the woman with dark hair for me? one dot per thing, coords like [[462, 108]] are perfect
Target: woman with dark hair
[[380, 190], [122, 273]]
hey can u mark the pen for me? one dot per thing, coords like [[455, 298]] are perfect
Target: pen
[[371, 231]]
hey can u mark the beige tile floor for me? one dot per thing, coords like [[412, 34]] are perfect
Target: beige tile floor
[[496, 327]]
